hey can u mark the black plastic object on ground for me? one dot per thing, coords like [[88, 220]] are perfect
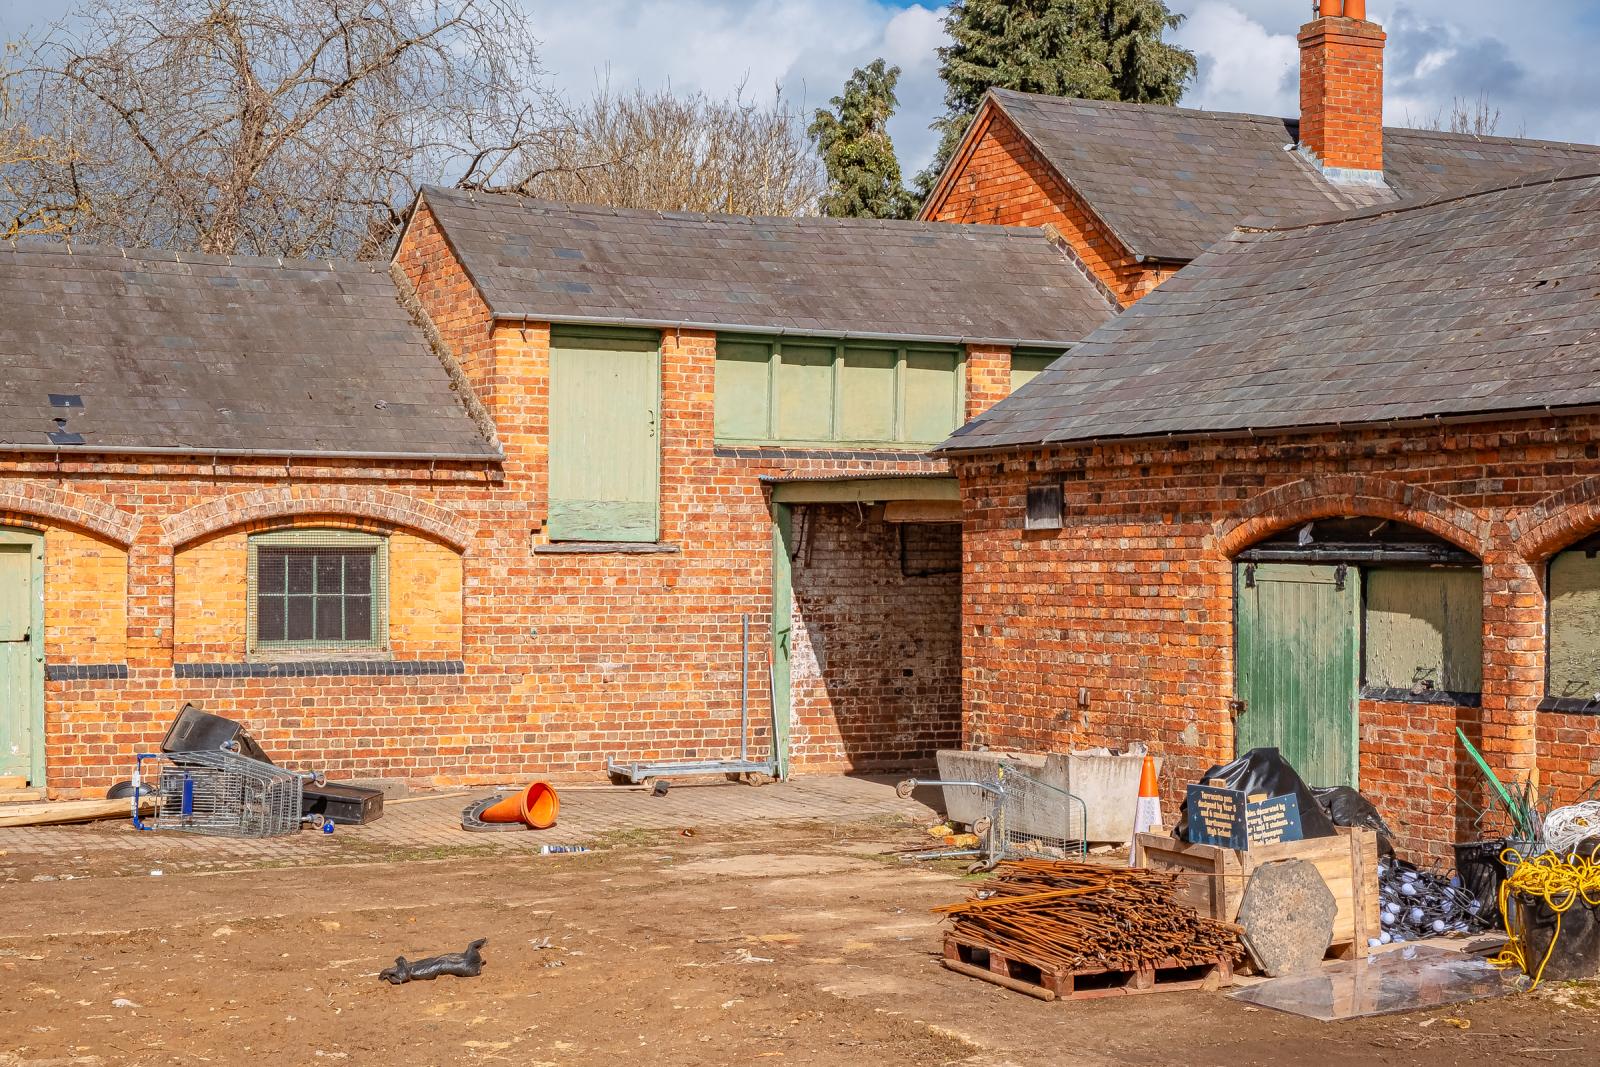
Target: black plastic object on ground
[[1346, 807], [1264, 770], [466, 964], [343, 804], [1576, 952], [1481, 871], [195, 731]]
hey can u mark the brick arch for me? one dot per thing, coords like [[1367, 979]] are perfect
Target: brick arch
[[1349, 494], [288, 502], [1557, 520], [37, 501]]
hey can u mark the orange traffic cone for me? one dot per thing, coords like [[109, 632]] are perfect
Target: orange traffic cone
[[1147, 816], [536, 805]]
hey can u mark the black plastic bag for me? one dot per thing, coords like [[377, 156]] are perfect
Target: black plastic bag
[[458, 964], [1346, 807], [1264, 770]]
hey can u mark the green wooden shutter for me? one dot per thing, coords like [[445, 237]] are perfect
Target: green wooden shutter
[[605, 459], [805, 392], [1296, 630], [744, 390], [866, 393], [933, 395]]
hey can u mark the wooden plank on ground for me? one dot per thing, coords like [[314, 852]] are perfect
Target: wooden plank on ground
[[61, 812]]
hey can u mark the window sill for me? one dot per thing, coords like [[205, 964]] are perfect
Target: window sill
[[1428, 696], [1571, 705], [597, 548]]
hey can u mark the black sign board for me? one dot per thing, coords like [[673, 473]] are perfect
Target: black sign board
[[1229, 819]]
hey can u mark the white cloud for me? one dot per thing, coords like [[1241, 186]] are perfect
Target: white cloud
[[1243, 66]]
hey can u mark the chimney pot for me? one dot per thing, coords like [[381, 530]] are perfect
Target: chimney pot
[[1355, 9]]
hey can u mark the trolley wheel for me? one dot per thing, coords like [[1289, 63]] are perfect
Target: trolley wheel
[[904, 789], [757, 778], [982, 826], [316, 822]]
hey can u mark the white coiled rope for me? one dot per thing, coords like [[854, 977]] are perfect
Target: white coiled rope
[[1565, 828]]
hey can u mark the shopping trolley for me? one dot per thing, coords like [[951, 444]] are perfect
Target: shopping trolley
[[220, 793], [1025, 817]]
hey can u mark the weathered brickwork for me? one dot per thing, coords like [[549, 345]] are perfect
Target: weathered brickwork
[[870, 594], [1001, 181], [1341, 93], [538, 661], [1132, 602]]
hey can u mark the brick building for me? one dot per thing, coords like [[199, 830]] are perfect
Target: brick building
[[1140, 190], [1334, 487], [498, 509]]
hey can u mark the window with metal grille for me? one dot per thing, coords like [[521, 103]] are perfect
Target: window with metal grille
[[318, 590]]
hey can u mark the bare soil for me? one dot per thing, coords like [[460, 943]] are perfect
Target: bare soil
[[795, 944]]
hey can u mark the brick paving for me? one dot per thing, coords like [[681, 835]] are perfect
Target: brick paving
[[588, 814]]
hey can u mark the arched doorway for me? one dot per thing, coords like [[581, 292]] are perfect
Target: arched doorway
[[1336, 611]]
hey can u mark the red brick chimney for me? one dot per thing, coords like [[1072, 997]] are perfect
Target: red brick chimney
[[1341, 91]]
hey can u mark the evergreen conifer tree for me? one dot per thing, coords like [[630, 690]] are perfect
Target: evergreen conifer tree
[[853, 137], [1094, 49]]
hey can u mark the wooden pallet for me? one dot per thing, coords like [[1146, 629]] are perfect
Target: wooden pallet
[[1047, 982]]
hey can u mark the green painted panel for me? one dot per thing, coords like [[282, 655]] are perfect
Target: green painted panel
[[605, 460], [932, 393], [21, 666], [1574, 626], [866, 393], [1026, 366], [782, 632], [1296, 636], [805, 392], [1425, 629], [744, 390]]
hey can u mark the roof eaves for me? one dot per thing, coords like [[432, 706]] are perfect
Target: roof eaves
[[526, 316]]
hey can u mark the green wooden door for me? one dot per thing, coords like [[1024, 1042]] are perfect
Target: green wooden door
[[605, 457], [1297, 635], [21, 657]]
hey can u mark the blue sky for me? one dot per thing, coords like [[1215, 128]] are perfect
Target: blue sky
[[1534, 61]]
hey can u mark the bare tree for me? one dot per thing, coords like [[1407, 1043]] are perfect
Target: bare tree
[[656, 149], [38, 197], [278, 127], [1476, 116]]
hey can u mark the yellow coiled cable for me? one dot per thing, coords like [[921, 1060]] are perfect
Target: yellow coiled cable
[[1560, 883]]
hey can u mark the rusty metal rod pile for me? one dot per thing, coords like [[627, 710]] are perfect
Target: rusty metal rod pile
[[1080, 915]]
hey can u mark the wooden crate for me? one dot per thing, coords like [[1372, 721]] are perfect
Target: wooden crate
[[1214, 878]]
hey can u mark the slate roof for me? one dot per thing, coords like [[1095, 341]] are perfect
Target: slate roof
[[181, 352], [928, 281], [1169, 181], [1477, 304]]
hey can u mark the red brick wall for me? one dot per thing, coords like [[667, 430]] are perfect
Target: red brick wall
[[1341, 92], [856, 610], [1133, 600], [1001, 181]]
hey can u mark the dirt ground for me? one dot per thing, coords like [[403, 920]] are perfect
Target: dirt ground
[[794, 943]]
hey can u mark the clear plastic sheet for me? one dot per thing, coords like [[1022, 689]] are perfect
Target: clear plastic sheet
[[1413, 978]]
